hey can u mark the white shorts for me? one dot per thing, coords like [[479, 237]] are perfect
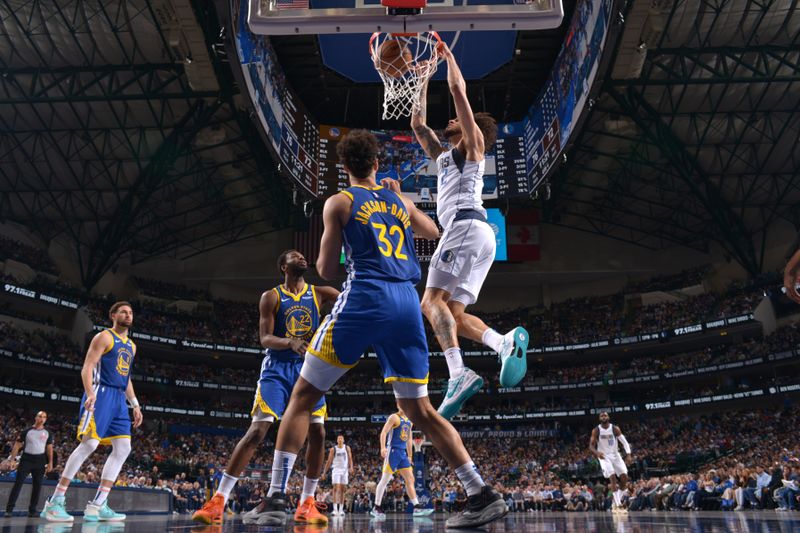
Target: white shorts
[[339, 477], [613, 464], [462, 260]]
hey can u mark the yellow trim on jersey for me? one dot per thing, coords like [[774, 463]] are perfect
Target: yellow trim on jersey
[[91, 431], [349, 195], [259, 403], [375, 188], [278, 303], [326, 351], [392, 379], [322, 411], [110, 347], [117, 335], [295, 297], [314, 294]]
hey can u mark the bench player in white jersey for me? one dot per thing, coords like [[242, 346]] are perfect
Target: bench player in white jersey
[[466, 250], [340, 459], [604, 444]]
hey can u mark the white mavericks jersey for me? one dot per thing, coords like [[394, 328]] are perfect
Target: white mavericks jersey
[[460, 184], [607, 441], [339, 458]]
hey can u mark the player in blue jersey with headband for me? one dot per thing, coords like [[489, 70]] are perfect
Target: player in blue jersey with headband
[[378, 308]]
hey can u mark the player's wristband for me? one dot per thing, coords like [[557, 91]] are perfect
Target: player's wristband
[[135, 404]]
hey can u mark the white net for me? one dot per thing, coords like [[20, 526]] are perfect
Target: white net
[[405, 74]]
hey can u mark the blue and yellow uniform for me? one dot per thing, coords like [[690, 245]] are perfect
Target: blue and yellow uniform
[[398, 439], [378, 305], [110, 418], [296, 316]]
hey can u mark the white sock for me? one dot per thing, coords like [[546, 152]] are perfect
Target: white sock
[[470, 478], [618, 497], [282, 465], [226, 485], [101, 495], [309, 488], [380, 490], [60, 491], [492, 339], [415, 501], [455, 363]]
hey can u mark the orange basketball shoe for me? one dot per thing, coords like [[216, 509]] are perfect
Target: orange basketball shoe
[[212, 511], [309, 514]]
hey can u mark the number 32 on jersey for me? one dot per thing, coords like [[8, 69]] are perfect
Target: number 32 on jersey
[[385, 235]]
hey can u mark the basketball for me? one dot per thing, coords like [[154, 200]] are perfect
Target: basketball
[[393, 58]]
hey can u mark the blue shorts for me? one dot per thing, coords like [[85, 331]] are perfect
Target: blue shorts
[[381, 314], [275, 385], [110, 418], [396, 460]]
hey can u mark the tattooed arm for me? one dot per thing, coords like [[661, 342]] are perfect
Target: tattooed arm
[[425, 135]]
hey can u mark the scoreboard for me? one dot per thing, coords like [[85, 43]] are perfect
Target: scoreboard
[[332, 177], [510, 161]]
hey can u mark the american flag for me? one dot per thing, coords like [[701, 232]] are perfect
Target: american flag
[[307, 241], [292, 4]]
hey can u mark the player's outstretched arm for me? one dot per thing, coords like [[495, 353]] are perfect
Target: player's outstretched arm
[[422, 224], [97, 347], [791, 274], [425, 135], [470, 132], [334, 217]]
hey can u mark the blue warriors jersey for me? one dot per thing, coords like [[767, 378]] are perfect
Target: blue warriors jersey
[[296, 316], [378, 241], [114, 367], [400, 435]]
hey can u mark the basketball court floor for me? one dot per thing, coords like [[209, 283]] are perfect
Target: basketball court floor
[[641, 522]]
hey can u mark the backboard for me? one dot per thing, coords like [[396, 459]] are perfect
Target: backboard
[[295, 17]]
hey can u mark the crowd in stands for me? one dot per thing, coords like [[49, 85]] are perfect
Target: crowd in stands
[[34, 257], [53, 346], [715, 461]]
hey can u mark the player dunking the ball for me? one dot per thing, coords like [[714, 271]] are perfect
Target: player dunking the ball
[[378, 307], [341, 459], [466, 251], [395, 446], [289, 316], [603, 445], [104, 417]]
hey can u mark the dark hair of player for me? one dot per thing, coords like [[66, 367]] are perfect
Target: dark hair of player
[[488, 126], [117, 305], [282, 259], [358, 151]]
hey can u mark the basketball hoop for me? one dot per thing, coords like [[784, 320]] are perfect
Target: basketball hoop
[[419, 58], [417, 442]]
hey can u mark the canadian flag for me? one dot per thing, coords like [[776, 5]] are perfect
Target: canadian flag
[[522, 229]]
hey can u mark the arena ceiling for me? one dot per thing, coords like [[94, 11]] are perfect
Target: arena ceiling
[[693, 138], [122, 127], [121, 130]]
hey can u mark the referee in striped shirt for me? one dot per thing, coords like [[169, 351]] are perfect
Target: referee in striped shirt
[[36, 444]]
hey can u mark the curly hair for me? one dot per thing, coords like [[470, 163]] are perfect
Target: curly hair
[[358, 151], [488, 126]]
